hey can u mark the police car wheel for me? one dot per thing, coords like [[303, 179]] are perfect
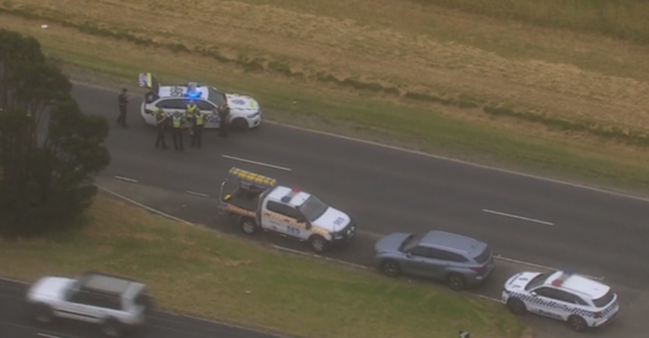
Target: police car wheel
[[516, 306], [318, 243], [43, 313], [391, 268], [577, 323], [455, 282], [111, 328], [248, 226], [239, 124]]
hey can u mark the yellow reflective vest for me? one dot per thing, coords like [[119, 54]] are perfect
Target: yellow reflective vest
[[178, 121], [200, 119]]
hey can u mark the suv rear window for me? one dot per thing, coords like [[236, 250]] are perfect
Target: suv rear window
[[604, 300], [484, 256]]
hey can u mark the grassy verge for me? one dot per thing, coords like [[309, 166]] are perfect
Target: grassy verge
[[241, 282], [625, 19], [466, 127]]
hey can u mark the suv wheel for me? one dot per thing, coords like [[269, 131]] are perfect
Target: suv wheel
[[577, 323], [111, 328], [43, 313], [248, 226], [456, 282], [516, 306], [390, 268], [318, 243]]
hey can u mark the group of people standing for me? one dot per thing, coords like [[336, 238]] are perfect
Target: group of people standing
[[193, 120]]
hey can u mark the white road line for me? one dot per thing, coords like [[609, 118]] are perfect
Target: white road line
[[517, 217], [603, 190], [302, 253], [47, 335], [487, 297], [539, 266], [155, 211], [126, 179], [256, 162], [197, 194]]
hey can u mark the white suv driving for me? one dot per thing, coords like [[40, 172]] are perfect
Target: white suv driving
[[117, 304]]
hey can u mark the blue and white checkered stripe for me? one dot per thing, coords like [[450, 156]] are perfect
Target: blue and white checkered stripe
[[575, 310]]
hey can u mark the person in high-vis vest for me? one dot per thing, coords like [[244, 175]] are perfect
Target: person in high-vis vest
[[199, 123], [177, 126], [190, 116], [224, 119], [160, 120]]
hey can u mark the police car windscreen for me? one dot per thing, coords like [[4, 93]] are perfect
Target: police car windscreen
[[604, 300], [216, 97], [484, 256]]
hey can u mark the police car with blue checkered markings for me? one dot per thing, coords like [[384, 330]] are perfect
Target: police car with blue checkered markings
[[245, 112], [562, 295]]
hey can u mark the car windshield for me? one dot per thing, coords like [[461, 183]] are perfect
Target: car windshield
[[313, 208], [536, 281], [216, 97], [604, 300], [411, 242]]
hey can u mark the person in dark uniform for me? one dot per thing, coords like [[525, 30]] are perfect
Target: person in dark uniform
[[123, 102], [224, 119], [199, 123], [177, 127], [161, 121]]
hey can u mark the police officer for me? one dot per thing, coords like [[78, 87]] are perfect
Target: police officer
[[122, 100], [199, 123], [177, 127], [224, 117], [161, 121], [190, 116]]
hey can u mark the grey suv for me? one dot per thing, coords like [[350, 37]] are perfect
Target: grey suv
[[457, 260]]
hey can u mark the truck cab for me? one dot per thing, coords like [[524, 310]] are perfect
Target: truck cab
[[258, 203]]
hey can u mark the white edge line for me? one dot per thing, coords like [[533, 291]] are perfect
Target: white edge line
[[539, 266], [298, 252], [256, 162], [155, 211], [475, 165], [429, 155], [517, 217], [47, 335], [487, 298], [125, 179], [197, 194]]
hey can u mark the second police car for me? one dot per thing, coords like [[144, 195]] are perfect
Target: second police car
[[245, 112], [562, 295]]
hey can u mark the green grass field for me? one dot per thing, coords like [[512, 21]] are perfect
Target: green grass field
[[481, 88], [198, 271]]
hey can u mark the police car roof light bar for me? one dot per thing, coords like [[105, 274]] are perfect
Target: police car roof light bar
[[250, 178], [564, 276], [288, 197]]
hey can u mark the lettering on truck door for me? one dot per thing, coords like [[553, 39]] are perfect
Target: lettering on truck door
[[273, 218]]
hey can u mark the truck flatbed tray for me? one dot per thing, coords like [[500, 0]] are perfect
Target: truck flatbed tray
[[244, 198]]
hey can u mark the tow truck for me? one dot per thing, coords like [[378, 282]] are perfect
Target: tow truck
[[257, 202]]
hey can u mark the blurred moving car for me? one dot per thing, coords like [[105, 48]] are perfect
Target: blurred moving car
[[457, 260], [561, 295], [117, 304]]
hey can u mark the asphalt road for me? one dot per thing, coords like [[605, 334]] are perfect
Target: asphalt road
[[388, 190], [15, 322]]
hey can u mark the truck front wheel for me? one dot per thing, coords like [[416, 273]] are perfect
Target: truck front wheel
[[248, 225], [318, 243]]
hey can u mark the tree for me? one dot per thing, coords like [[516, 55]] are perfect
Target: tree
[[49, 150]]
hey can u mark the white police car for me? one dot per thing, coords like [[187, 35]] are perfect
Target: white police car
[[245, 112], [562, 295]]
